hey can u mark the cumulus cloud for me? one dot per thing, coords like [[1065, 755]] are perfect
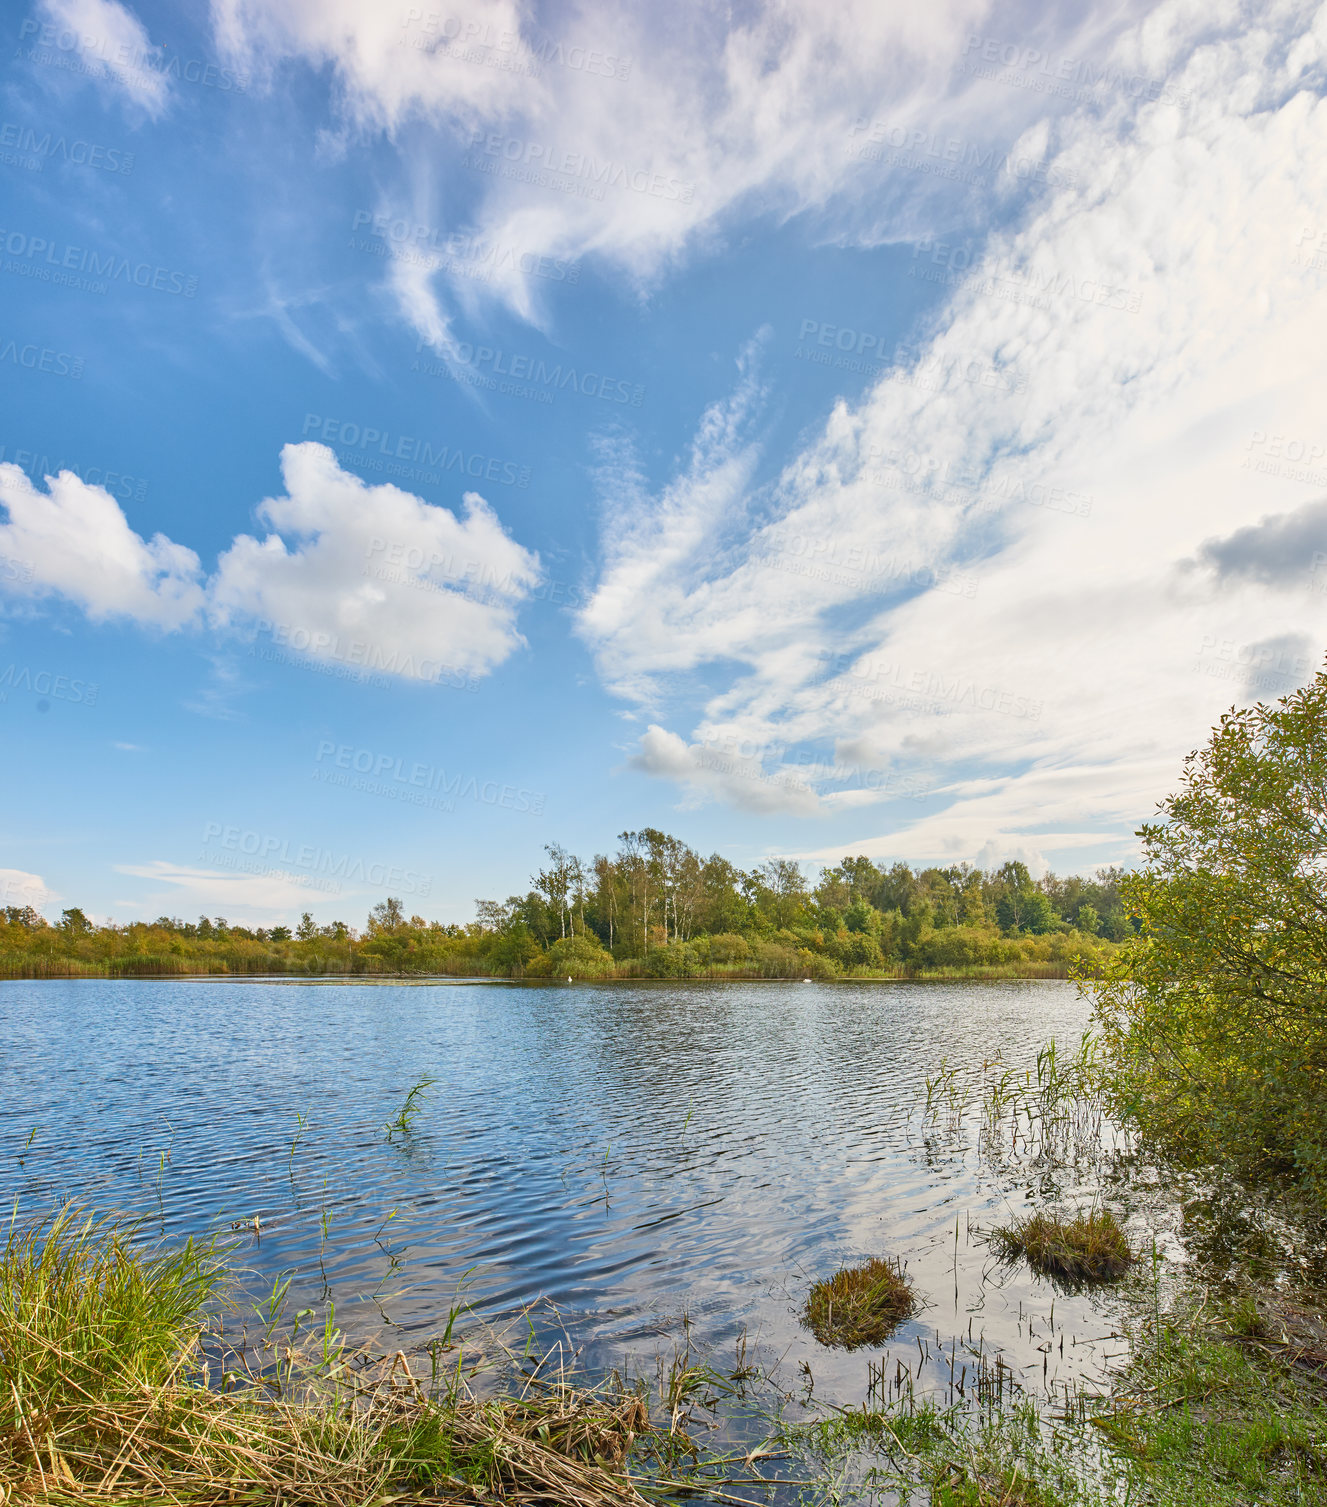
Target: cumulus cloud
[[376, 575], [1280, 549], [19, 888], [364, 575], [113, 45], [72, 540], [973, 566], [728, 774]]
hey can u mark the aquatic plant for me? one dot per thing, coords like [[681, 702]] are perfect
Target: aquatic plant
[[859, 1305], [1090, 1247], [414, 1104]]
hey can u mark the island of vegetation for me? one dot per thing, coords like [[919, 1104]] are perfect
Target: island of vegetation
[[657, 909]]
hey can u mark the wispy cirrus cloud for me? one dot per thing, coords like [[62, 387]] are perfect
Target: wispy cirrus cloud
[[636, 136], [1079, 667], [113, 46]]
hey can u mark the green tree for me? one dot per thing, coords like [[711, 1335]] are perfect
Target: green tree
[[1215, 1015], [306, 929], [861, 916], [386, 916]]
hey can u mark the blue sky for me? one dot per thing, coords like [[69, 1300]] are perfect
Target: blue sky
[[427, 433]]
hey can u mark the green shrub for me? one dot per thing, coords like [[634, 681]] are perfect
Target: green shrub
[[1215, 1016], [579, 957]]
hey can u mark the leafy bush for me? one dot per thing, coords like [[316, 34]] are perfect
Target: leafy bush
[[581, 957], [1215, 1017]]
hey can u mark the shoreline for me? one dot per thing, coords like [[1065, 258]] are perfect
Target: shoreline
[[1013, 973]]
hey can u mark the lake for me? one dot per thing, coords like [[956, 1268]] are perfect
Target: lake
[[647, 1158]]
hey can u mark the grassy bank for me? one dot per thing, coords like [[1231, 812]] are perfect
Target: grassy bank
[[121, 1382], [118, 1384]]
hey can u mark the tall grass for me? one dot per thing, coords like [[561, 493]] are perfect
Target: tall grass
[[106, 1355]]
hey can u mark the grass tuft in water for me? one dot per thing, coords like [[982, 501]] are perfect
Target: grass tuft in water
[[860, 1305], [1088, 1248]]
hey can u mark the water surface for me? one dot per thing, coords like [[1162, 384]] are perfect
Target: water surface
[[643, 1157]]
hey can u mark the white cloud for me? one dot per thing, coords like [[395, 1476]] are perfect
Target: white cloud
[[74, 541], [367, 576], [376, 576], [19, 888], [1081, 409], [726, 774], [384, 78], [635, 134], [243, 898], [113, 45]]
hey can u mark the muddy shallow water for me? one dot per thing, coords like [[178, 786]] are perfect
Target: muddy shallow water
[[649, 1159]]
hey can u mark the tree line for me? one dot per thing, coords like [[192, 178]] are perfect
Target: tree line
[[655, 908]]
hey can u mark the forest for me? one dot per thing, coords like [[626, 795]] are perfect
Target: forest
[[655, 909]]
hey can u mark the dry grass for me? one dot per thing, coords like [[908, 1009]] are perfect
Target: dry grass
[[860, 1305], [104, 1399], [1088, 1248]]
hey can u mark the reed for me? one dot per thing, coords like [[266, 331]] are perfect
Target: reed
[[410, 1110], [116, 1387]]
